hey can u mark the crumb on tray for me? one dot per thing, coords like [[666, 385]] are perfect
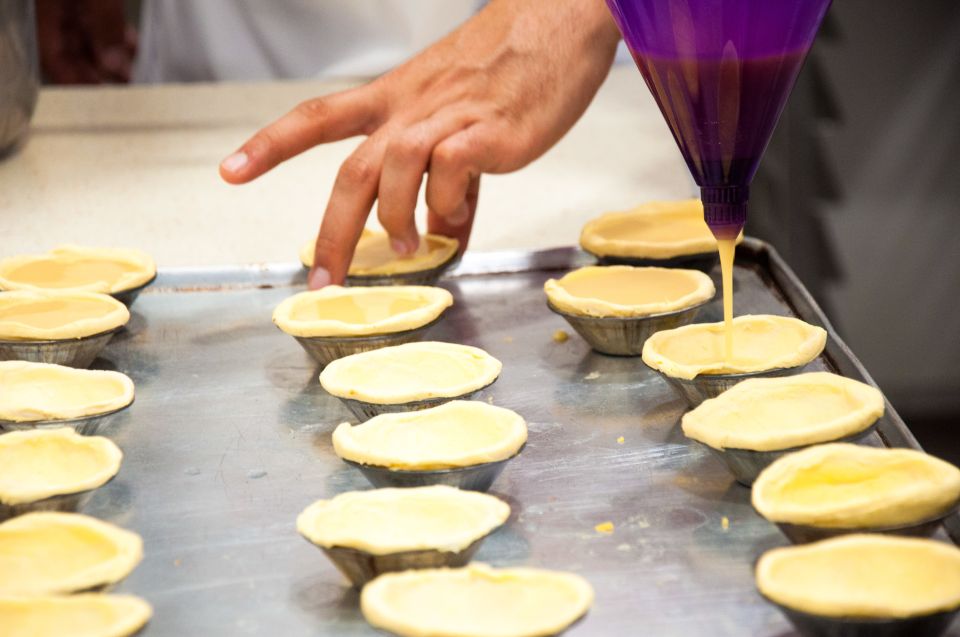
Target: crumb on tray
[[604, 527], [560, 336]]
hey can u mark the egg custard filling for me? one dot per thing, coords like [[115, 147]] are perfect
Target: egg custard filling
[[49, 553], [627, 291], [654, 230], [55, 315], [82, 615], [476, 601], [853, 486], [374, 256], [460, 433], [866, 576], [41, 391], [340, 311], [763, 343], [78, 269], [383, 521], [770, 414], [35, 465], [410, 372]]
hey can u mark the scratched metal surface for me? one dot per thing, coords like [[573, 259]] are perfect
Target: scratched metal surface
[[230, 438]]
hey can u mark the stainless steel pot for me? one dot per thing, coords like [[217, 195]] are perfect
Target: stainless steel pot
[[19, 78]]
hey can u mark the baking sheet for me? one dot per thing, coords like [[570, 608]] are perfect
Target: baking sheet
[[229, 439]]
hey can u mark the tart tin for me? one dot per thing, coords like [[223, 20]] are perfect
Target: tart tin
[[127, 297], [704, 386], [67, 502], [326, 349], [625, 336], [703, 261], [476, 477], [806, 533], [72, 352], [746, 464], [84, 425], [810, 625], [360, 566], [365, 411], [419, 277]]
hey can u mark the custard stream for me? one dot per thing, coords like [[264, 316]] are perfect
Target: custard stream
[[727, 247]]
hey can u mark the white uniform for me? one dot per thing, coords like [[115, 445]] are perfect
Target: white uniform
[[236, 40]]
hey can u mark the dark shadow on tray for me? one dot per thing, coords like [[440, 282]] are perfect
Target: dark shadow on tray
[[324, 592], [134, 328]]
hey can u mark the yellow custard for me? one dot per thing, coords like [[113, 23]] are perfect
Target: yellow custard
[[383, 521], [52, 314], [456, 434], [727, 248], [849, 486], [77, 268], [863, 576], [766, 414], [628, 291], [654, 230], [374, 256], [339, 311], [764, 342], [476, 601]]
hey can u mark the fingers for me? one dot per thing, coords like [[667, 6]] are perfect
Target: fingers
[[404, 165], [439, 225], [455, 167], [354, 192], [316, 121]]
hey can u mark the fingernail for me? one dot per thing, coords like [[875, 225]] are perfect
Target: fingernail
[[318, 278], [235, 162], [459, 216], [404, 247]]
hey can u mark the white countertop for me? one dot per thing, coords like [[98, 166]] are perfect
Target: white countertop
[[137, 166]]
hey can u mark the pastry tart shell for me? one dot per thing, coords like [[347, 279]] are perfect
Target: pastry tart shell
[[142, 272], [101, 615]]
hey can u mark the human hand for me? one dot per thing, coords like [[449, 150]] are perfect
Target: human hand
[[84, 41], [490, 97]]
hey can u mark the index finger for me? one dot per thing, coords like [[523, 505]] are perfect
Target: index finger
[[316, 121]]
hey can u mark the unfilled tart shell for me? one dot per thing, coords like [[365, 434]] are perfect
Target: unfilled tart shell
[[383, 521], [41, 391], [78, 269], [769, 414], [459, 433], [40, 315], [852, 486], [654, 230], [867, 576], [357, 311], [84, 615], [35, 465], [476, 601], [626, 291], [51, 553], [761, 342], [410, 372], [373, 255]]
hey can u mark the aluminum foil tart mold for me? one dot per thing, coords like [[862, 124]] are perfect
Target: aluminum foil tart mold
[[127, 297], [420, 277], [326, 349], [67, 502], [72, 352], [365, 411], [477, 477], [806, 533], [746, 464], [84, 425], [704, 386], [703, 261], [810, 625], [360, 566], [625, 336]]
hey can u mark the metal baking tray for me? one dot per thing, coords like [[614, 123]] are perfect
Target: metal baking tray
[[229, 440]]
